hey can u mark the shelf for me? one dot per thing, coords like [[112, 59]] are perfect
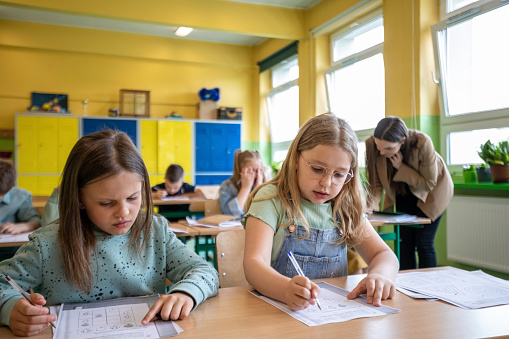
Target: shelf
[[482, 189]]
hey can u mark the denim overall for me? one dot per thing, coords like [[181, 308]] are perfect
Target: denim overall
[[319, 256]]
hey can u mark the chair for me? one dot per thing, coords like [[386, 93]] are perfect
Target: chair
[[230, 256], [212, 207]]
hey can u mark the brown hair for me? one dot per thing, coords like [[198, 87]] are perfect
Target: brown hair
[[239, 160], [391, 129], [174, 173], [324, 129], [7, 176], [95, 157]]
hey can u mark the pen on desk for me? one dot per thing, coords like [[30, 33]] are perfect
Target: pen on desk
[[23, 293], [299, 272]]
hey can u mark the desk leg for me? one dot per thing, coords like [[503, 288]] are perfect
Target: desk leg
[[396, 241]]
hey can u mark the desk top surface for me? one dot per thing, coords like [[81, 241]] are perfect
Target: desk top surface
[[204, 230], [176, 201], [235, 313]]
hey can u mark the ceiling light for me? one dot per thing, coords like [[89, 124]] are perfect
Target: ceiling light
[[183, 31]]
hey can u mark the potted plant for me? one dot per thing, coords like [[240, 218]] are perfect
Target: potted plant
[[483, 173], [497, 156], [469, 175], [276, 167]]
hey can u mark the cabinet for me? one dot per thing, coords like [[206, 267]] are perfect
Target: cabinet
[[43, 144], [129, 126]]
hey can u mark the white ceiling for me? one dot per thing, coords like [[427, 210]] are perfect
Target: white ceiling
[[53, 18]]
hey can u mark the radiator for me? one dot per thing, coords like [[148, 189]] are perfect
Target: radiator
[[478, 232]]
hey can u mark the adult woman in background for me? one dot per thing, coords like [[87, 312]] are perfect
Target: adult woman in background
[[414, 176]]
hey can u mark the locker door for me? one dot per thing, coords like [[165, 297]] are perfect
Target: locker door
[[232, 144], [203, 147], [47, 145], [218, 146], [182, 145], [27, 182], [66, 139], [26, 147], [166, 148], [149, 144]]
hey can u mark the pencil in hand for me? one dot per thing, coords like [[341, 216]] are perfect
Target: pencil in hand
[[23, 293], [299, 272]]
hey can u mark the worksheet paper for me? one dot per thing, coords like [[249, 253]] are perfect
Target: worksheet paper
[[174, 197], [335, 307], [111, 319], [204, 221], [393, 218], [469, 290], [14, 238]]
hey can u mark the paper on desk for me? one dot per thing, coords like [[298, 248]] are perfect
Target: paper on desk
[[177, 230], [456, 286], [335, 307], [393, 218], [14, 238], [218, 220], [111, 319], [174, 197]]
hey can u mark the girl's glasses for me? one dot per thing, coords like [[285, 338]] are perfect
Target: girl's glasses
[[318, 172]]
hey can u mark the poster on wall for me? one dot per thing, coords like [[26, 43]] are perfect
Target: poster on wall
[[48, 102]]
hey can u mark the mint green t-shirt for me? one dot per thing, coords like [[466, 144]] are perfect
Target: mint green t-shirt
[[272, 212]]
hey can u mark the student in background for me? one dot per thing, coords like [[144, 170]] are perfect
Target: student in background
[[414, 176], [17, 215], [314, 208], [50, 212], [107, 243], [248, 174]]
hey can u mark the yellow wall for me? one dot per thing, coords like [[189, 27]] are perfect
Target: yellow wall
[[95, 65]]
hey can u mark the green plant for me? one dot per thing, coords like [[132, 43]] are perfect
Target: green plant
[[495, 154], [470, 168]]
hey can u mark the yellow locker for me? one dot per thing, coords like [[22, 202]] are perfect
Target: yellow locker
[[149, 145], [174, 145], [67, 136], [47, 154], [165, 145], [182, 143], [28, 182], [46, 184], [26, 129]]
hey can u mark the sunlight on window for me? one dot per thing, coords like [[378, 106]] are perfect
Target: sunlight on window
[[463, 146], [284, 114], [476, 67], [357, 92], [359, 39], [286, 72], [453, 5]]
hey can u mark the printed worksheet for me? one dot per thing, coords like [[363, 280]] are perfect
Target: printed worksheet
[[177, 197], [335, 307], [461, 288], [111, 319], [14, 238]]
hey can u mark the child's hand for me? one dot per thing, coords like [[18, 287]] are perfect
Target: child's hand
[[161, 194], [301, 293], [377, 288], [259, 177], [248, 176], [9, 228], [28, 320], [173, 306]]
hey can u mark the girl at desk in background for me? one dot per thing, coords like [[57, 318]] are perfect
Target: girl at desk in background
[[107, 244], [414, 176], [314, 208], [248, 173]]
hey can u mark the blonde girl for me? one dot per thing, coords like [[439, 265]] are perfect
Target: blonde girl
[[248, 174], [314, 208], [106, 243]]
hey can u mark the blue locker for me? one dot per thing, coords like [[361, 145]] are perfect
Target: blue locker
[[211, 179], [91, 125], [215, 146]]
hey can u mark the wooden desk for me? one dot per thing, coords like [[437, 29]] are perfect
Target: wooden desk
[[39, 201], [12, 243], [185, 231], [158, 202], [235, 313], [390, 220]]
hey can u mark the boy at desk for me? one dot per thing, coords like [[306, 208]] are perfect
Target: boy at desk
[[174, 186], [17, 215]]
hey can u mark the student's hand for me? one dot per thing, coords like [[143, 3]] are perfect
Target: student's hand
[[173, 306], [27, 320], [259, 177], [9, 228], [161, 194], [301, 293], [396, 160], [376, 287], [248, 176], [369, 211]]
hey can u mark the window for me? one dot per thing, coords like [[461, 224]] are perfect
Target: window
[[283, 107], [356, 81], [471, 56]]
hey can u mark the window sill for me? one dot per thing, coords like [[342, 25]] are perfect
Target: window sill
[[482, 189]]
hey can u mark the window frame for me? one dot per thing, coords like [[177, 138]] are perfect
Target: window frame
[[469, 121]]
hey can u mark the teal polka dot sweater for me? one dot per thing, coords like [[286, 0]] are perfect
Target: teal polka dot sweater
[[118, 271]]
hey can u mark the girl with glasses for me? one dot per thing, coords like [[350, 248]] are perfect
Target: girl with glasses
[[314, 208], [414, 176]]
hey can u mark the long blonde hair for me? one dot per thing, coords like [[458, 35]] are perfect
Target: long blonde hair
[[324, 129], [95, 157]]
